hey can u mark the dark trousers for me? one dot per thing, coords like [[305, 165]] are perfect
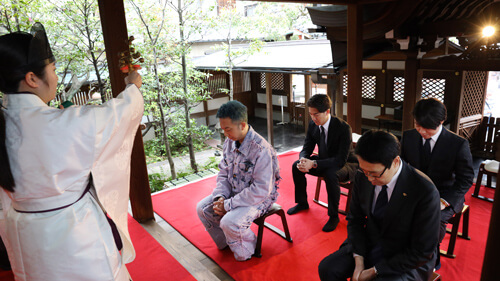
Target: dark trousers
[[446, 214], [4, 258], [331, 181], [340, 265]]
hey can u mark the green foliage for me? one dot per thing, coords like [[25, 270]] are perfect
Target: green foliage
[[74, 32], [156, 182], [154, 151], [275, 20], [177, 135], [164, 31], [20, 15], [212, 163]]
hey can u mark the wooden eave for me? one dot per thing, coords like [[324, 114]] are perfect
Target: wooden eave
[[401, 56], [449, 18], [443, 49], [453, 63], [377, 20], [389, 56], [418, 18]]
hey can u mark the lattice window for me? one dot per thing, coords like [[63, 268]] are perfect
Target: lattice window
[[433, 88], [473, 93], [472, 103], [368, 86], [344, 85], [398, 94], [262, 80], [277, 81]]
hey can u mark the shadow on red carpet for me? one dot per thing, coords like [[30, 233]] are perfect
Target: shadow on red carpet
[[152, 261], [299, 260]]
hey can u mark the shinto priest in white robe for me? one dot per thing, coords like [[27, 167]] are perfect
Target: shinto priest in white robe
[[52, 153]]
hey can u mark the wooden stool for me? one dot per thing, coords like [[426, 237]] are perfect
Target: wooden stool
[[435, 277], [275, 209], [490, 168], [347, 185], [455, 221]]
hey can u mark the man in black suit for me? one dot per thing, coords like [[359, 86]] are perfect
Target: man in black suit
[[393, 219], [442, 155], [333, 137]]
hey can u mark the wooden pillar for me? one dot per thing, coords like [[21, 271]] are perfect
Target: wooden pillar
[[269, 108], [491, 257], [458, 103], [307, 92], [114, 29], [288, 86], [413, 82], [354, 65], [339, 97], [205, 110], [330, 91]]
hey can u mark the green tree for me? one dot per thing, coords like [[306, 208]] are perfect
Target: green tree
[[189, 19], [19, 15], [153, 33], [83, 36], [274, 20], [232, 24]]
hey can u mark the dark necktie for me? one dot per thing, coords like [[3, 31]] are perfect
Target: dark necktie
[[322, 144], [426, 155], [381, 203]]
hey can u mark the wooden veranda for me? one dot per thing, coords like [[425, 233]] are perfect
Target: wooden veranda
[[411, 26]]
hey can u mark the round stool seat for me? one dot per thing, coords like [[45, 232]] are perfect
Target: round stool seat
[[492, 166]]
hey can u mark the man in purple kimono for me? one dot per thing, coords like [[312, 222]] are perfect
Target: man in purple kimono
[[246, 184]]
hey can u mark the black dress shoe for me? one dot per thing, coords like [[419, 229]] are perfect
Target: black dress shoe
[[297, 208], [331, 224]]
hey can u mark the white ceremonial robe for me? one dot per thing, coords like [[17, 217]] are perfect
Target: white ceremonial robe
[[52, 152]]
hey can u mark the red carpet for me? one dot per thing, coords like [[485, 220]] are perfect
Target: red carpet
[[152, 261], [299, 260], [470, 253], [6, 275]]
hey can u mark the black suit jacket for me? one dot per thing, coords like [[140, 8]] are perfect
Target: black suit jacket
[[339, 142], [409, 232], [450, 167]]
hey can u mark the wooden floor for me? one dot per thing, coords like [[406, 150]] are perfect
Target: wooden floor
[[196, 262]]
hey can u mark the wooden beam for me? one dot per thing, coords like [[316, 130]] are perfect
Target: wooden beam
[[411, 95], [114, 29], [307, 93], [453, 63], [354, 66], [269, 109]]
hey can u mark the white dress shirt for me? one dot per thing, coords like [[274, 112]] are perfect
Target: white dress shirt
[[434, 138], [325, 127]]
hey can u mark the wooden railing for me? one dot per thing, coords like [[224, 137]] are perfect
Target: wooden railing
[[486, 142]]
